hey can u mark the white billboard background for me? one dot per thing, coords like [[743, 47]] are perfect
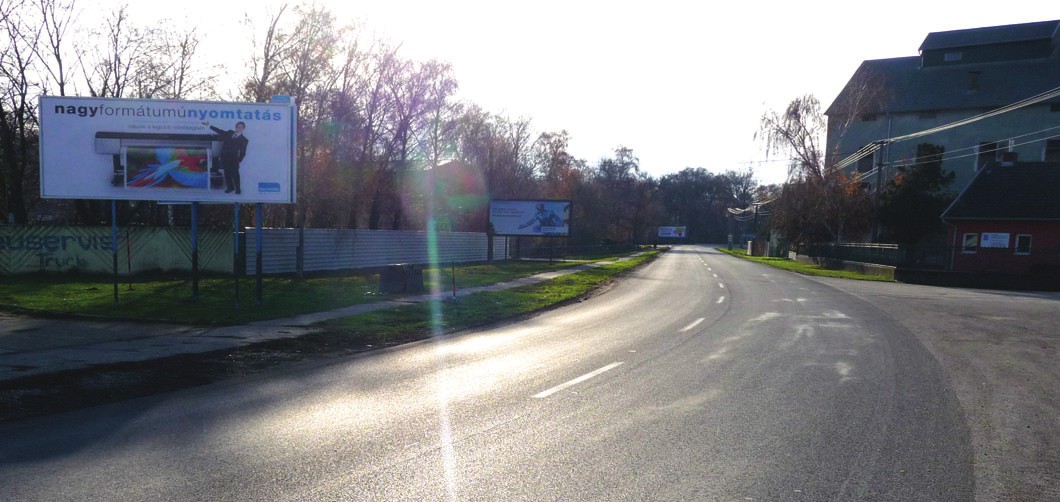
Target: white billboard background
[[995, 240], [531, 217], [162, 149]]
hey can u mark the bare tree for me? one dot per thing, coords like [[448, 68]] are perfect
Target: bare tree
[[56, 17], [18, 118], [114, 72], [819, 202], [259, 87], [798, 131], [418, 91], [180, 73], [438, 138]]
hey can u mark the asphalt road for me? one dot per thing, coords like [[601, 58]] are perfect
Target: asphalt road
[[698, 377]]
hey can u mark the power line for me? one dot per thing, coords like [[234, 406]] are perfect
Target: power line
[[1004, 109], [946, 155], [871, 148]]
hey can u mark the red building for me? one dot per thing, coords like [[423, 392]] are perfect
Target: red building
[[1008, 220]]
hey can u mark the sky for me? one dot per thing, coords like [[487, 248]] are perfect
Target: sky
[[681, 83]]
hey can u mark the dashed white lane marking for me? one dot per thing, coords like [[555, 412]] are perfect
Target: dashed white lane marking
[[694, 324], [721, 285], [576, 381], [720, 300]]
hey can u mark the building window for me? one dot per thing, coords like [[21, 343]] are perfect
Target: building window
[[991, 151], [868, 117], [1023, 244], [973, 81], [950, 57], [1055, 107], [865, 163], [971, 243], [1052, 151], [986, 152], [928, 114]]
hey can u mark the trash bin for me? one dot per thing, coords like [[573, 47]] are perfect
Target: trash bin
[[401, 278]]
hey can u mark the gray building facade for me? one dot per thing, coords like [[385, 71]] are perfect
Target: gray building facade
[[959, 75]]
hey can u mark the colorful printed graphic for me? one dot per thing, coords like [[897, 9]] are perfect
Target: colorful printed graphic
[[167, 167], [531, 217]]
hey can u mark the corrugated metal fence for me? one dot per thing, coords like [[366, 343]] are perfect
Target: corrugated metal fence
[[353, 249], [29, 249]]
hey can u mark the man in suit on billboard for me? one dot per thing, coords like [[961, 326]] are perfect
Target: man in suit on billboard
[[233, 149]]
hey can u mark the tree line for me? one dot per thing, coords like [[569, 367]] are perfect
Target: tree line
[[822, 203], [376, 130]]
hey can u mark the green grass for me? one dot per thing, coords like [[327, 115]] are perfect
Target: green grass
[[170, 298], [43, 394], [415, 321], [806, 268]]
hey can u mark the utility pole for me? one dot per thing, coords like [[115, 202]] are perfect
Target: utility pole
[[878, 190], [730, 229]]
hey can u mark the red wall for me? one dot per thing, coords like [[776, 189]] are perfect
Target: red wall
[[1045, 246]]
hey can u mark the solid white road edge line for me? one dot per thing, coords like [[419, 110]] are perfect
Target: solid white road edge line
[[576, 381], [694, 324]]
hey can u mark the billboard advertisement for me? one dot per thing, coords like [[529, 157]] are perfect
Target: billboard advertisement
[[531, 217], [674, 232], [180, 151], [995, 240]]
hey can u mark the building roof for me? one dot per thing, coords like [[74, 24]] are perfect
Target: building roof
[[906, 87], [1025, 191], [905, 84], [990, 35]]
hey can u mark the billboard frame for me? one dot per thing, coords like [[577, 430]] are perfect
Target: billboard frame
[[83, 142], [673, 232], [527, 207]]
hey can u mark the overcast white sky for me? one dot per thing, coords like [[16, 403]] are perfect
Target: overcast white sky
[[682, 83]]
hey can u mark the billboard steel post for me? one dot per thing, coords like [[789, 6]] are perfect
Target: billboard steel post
[[195, 251], [257, 252], [128, 256], [114, 244], [235, 248]]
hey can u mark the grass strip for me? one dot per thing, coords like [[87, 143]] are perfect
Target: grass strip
[[415, 322], [52, 393], [805, 268], [169, 298]]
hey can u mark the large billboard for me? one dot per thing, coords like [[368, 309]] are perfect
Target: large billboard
[[180, 151], [530, 217], [673, 232]]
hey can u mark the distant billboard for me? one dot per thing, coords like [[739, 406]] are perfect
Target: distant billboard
[[530, 217], [179, 151], [673, 232]]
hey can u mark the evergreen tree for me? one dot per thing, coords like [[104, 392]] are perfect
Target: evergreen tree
[[914, 200]]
